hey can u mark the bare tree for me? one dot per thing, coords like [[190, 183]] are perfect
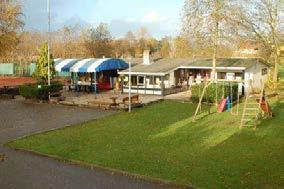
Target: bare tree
[[206, 23], [260, 20], [99, 40]]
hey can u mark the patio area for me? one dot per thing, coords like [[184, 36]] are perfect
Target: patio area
[[105, 100]]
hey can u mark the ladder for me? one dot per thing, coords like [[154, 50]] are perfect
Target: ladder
[[252, 109]]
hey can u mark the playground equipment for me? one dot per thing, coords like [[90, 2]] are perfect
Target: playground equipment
[[255, 106], [226, 102]]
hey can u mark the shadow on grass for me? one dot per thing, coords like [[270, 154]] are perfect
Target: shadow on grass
[[172, 128]]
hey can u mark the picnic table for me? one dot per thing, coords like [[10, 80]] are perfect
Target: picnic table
[[134, 100], [114, 101]]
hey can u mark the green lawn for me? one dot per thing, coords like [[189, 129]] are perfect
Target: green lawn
[[161, 141]]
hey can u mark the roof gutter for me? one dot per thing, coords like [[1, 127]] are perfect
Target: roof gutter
[[209, 68], [142, 73]]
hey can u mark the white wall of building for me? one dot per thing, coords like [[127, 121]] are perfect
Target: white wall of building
[[255, 76]]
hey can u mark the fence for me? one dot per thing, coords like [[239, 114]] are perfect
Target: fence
[[15, 69], [7, 69], [23, 70]]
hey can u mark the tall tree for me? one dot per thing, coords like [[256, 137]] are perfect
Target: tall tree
[[130, 41], [142, 35], [181, 47], [99, 41], [206, 22], [260, 20], [165, 48], [10, 24], [41, 72]]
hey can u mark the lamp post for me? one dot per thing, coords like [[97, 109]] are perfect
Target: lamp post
[[48, 46], [129, 86]]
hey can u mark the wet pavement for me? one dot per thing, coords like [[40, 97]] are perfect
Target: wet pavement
[[27, 171]]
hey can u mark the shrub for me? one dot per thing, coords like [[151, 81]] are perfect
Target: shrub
[[41, 93], [29, 91], [210, 93]]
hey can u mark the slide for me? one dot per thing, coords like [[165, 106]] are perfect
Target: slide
[[222, 105], [265, 107]]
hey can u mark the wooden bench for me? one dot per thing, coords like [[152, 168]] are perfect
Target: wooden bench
[[2, 157], [133, 99], [101, 104], [56, 94]]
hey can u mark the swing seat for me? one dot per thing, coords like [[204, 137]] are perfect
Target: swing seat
[[222, 105]]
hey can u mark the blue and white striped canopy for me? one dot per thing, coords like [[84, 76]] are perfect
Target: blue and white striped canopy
[[64, 65], [89, 65]]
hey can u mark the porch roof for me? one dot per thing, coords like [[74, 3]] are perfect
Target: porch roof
[[164, 66]]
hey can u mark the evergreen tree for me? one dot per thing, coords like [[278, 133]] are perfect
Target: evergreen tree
[[41, 72]]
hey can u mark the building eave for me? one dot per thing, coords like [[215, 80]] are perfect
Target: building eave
[[143, 73]]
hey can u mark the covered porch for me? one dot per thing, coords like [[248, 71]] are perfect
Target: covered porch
[[91, 75], [175, 81]]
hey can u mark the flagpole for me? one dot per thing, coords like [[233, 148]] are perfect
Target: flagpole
[[48, 46]]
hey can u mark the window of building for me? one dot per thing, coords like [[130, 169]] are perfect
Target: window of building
[[230, 76], [141, 80], [222, 75], [133, 80], [157, 80], [151, 80], [239, 75]]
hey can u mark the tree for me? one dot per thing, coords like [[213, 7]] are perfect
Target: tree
[[131, 42], [10, 24], [181, 47], [41, 72], [99, 40], [206, 22], [165, 48], [141, 44], [260, 20]]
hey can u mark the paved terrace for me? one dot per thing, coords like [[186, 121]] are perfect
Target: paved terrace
[[93, 100]]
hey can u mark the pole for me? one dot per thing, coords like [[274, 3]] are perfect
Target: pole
[[96, 83], [48, 46], [129, 87]]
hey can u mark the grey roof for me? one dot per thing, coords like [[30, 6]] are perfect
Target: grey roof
[[134, 61], [166, 65]]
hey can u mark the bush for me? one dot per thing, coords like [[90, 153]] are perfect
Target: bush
[[41, 93], [210, 93]]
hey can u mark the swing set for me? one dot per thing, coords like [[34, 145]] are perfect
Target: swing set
[[226, 103]]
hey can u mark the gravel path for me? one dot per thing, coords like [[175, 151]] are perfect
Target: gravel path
[[27, 171]]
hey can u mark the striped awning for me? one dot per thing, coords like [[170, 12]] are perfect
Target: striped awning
[[89, 65], [64, 65]]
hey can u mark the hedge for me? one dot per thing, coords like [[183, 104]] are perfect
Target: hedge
[[210, 94], [39, 91]]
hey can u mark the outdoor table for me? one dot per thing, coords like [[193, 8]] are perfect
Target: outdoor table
[[114, 103], [83, 85]]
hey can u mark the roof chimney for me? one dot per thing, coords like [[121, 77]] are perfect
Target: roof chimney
[[146, 57]]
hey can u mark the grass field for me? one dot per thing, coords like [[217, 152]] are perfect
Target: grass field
[[161, 141]]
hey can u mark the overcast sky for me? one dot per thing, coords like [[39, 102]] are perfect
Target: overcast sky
[[161, 17]]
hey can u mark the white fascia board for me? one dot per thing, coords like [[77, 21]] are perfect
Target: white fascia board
[[209, 68], [142, 73]]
